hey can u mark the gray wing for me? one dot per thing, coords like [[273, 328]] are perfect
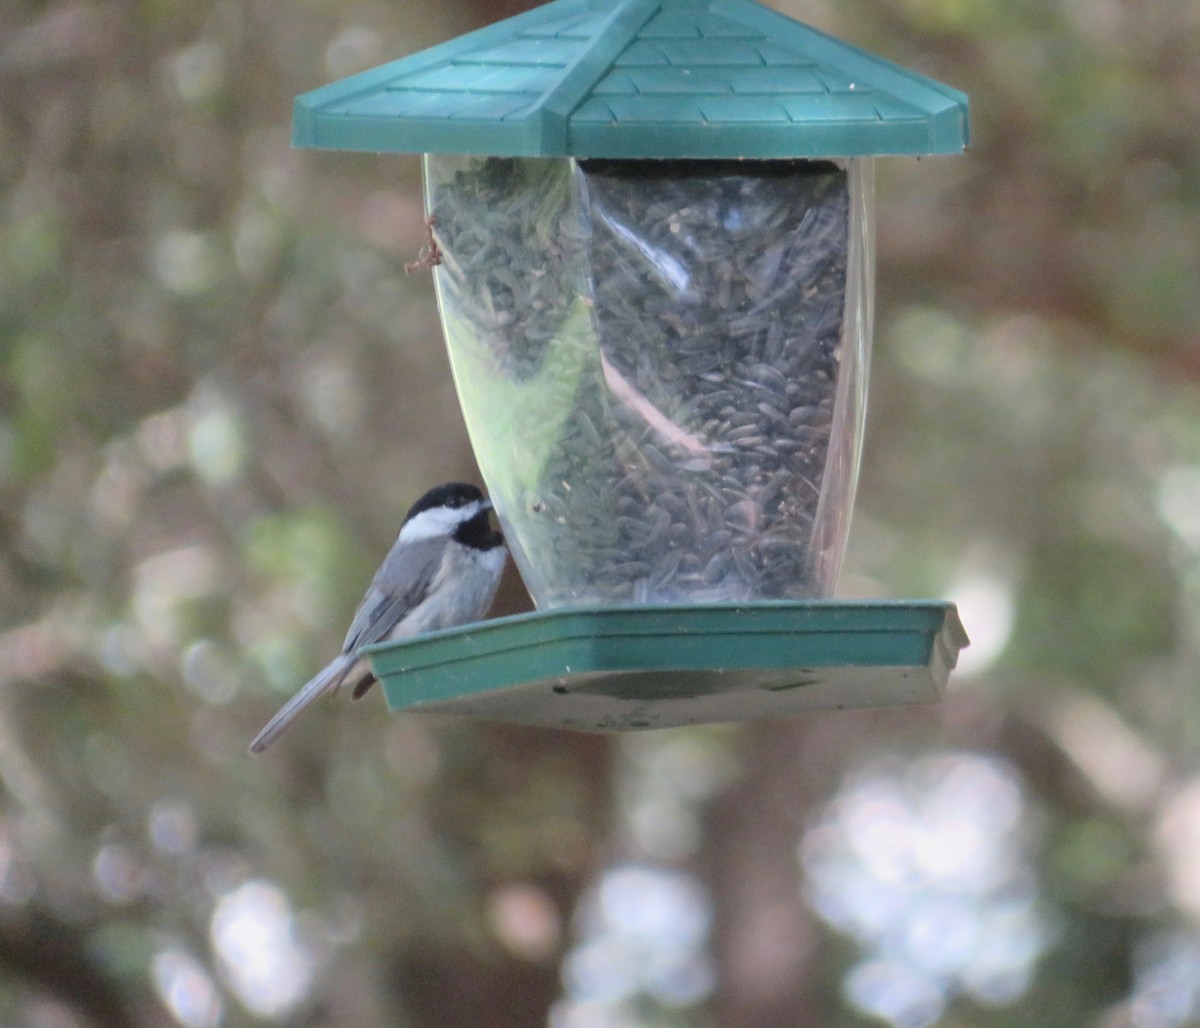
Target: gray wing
[[401, 581], [399, 585]]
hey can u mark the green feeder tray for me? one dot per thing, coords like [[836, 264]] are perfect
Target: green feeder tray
[[622, 668]]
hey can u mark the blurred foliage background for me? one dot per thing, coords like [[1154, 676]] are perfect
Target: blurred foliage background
[[219, 393]]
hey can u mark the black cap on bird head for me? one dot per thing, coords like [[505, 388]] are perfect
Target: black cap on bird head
[[452, 494]]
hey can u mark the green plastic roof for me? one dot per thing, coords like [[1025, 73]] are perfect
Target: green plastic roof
[[641, 79]]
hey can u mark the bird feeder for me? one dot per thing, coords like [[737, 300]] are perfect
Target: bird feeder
[[652, 245]]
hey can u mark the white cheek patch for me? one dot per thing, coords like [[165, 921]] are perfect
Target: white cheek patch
[[437, 522]]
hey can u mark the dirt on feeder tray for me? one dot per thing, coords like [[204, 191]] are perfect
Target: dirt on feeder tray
[[692, 406]]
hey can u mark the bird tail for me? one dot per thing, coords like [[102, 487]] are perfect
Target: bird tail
[[324, 681]]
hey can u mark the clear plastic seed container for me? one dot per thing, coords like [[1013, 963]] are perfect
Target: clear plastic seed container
[[662, 365]]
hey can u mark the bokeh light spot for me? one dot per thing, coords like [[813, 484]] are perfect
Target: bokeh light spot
[[253, 933]]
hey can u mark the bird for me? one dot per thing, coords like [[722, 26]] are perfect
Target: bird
[[442, 571]]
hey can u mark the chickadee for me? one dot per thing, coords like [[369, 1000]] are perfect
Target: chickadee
[[442, 571]]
